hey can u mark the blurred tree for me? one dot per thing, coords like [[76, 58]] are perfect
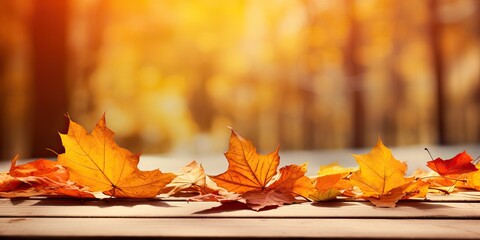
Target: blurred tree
[[435, 38], [354, 75], [49, 24]]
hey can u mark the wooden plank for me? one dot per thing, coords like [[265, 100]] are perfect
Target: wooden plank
[[238, 227], [176, 209]]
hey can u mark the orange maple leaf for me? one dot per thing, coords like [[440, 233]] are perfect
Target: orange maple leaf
[[96, 161], [461, 163], [38, 177], [255, 176], [379, 176], [247, 170], [330, 182]]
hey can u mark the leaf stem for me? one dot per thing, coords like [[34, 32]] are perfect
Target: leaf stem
[[426, 149]]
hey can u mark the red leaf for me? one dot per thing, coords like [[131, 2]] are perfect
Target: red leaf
[[461, 163]]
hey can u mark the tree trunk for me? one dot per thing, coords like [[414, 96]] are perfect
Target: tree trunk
[[49, 70], [438, 66], [353, 70]]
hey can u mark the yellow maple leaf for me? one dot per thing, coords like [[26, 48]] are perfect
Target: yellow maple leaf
[[96, 161], [255, 177], [379, 172]]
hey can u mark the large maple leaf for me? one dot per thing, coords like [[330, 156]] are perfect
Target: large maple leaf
[[96, 161], [379, 172], [255, 177], [381, 177], [460, 164]]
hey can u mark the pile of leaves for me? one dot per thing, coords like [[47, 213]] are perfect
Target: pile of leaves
[[94, 166]]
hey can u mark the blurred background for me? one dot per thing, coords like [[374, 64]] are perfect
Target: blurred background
[[171, 75]]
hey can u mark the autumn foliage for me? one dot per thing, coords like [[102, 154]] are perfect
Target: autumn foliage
[[96, 161], [93, 165]]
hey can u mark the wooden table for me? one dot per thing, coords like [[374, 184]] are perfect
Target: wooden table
[[441, 217]]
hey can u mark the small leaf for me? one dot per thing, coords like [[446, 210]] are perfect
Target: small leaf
[[325, 187]]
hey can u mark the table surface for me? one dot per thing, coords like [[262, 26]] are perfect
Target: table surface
[[454, 216]]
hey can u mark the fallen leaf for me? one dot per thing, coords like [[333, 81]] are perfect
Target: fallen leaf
[[331, 182], [325, 187], [40, 177], [255, 178], [192, 180], [460, 164], [96, 161], [379, 173], [247, 170]]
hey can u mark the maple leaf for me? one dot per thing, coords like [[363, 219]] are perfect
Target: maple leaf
[[461, 163], [38, 177], [96, 161], [330, 182], [379, 174], [247, 170], [255, 178]]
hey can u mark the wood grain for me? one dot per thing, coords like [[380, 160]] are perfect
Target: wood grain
[[179, 209], [239, 227]]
